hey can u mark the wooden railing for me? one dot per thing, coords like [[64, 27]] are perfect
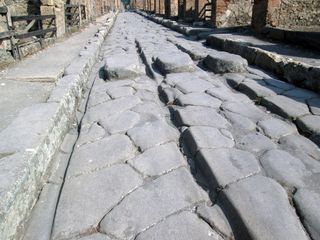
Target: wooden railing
[[75, 15], [34, 28]]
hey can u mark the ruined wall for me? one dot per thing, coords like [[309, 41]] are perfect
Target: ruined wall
[[229, 13]]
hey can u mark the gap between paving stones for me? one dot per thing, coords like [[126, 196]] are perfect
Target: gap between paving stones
[[34, 146]]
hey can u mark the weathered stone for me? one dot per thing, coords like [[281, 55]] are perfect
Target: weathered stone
[[120, 123], [234, 79], [96, 98], [93, 133], [120, 92], [153, 133], [284, 168], [99, 154], [146, 95], [309, 124], [247, 110], [296, 142], [122, 66], [198, 137], [307, 202], [199, 116], [255, 143], [216, 218], [314, 105], [149, 108], [184, 225], [198, 99], [239, 121], [96, 236], [174, 78], [174, 62], [225, 94], [299, 93], [169, 94], [225, 166], [160, 198], [285, 107], [278, 84], [276, 128], [257, 89], [189, 86], [82, 206], [117, 83], [222, 62], [158, 160], [257, 207]]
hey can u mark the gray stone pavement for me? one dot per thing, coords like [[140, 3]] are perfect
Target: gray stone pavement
[[168, 150]]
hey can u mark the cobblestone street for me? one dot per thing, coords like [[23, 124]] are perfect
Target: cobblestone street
[[175, 140]]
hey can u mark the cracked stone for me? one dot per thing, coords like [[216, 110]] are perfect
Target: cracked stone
[[225, 166], [120, 92], [122, 66], [160, 198], [307, 202], [257, 208], [198, 99], [225, 94], [120, 123], [189, 86], [216, 218], [222, 62], [158, 160], [284, 168], [276, 128], [285, 107], [185, 225], [82, 206], [174, 62], [255, 142], [153, 133], [102, 153], [247, 110], [198, 137], [199, 116], [314, 105]]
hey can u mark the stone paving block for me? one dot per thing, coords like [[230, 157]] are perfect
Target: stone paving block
[[255, 142], [314, 105], [99, 154], [307, 202], [158, 160], [285, 107], [276, 128], [239, 121], [309, 125], [198, 137], [159, 198], [247, 110], [299, 93], [118, 83], [185, 225], [87, 198], [189, 86], [152, 134], [234, 79], [257, 89], [169, 94], [225, 166], [198, 99], [225, 94], [174, 62], [146, 108], [93, 133], [199, 116], [174, 78], [258, 208], [216, 218], [284, 168], [222, 62], [120, 123], [298, 143], [146, 95], [122, 66], [278, 84], [96, 98], [96, 236], [120, 92]]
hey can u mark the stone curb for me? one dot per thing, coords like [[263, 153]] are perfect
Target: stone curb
[[29, 144], [298, 73]]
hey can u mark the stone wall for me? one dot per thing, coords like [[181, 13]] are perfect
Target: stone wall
[[230, 13]]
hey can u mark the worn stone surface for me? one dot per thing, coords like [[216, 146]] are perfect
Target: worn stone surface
[[239, 121], [276, 128], [256, 208], [198, 99], [222, 62], [189, 86], [153, 133], [120, 92], [257, 89], [198, 137], [314, 105], [225, 166], [174, 62], [185, 225], [309, 124], [158, 160], [159, 198], [225, 94], [81, 206], [200, 116], [307, 205], [255, 142]]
